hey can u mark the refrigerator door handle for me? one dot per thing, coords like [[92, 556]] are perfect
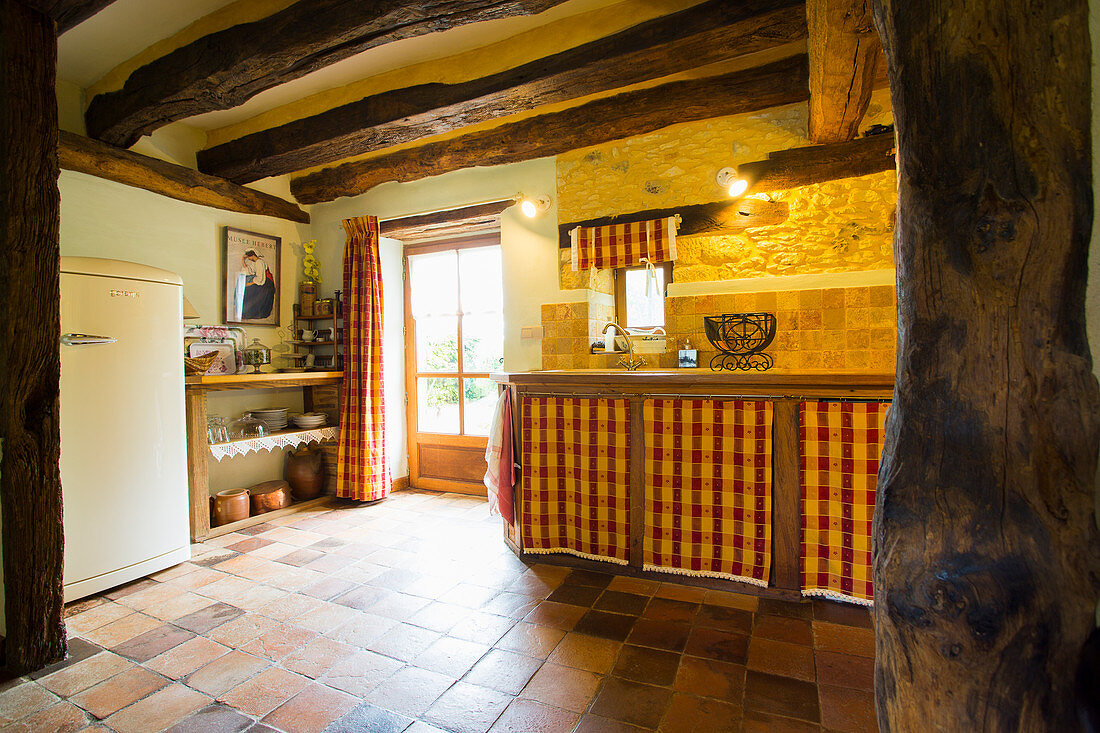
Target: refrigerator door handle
[[84, 339]]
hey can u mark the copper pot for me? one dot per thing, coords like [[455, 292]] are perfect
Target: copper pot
[[305, 471], [230, 505], [269, 496]]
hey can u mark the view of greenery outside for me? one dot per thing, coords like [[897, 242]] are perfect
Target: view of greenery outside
[[445, 391]]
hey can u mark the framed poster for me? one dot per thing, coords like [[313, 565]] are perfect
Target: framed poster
[[252, 277]]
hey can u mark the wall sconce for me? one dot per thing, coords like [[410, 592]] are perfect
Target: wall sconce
[[532, 206], [728, 179]]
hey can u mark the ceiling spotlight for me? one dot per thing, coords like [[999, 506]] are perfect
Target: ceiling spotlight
[[728, 179], [532, 207]]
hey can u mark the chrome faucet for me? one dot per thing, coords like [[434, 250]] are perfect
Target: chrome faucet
[[630, 363]]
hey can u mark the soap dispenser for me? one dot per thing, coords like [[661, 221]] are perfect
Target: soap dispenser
[[689, 357]]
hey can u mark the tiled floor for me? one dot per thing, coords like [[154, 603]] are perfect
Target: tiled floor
[[411, 615]]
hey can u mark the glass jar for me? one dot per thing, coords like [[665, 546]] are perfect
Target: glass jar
[[256, 355]]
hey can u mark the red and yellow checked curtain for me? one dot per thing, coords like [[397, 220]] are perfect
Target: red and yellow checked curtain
[[576, 480], [840, 445], [709, 488], [624, 245], [362, 471]]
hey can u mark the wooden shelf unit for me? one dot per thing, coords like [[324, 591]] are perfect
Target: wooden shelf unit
[[198, 447], [335, 358]]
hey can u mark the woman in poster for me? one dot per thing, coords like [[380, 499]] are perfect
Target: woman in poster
[[255, 287]]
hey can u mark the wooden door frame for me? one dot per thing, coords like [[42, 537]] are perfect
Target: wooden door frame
[[489, 239]]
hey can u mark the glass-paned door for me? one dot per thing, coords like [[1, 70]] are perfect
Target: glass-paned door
[[454, 339]]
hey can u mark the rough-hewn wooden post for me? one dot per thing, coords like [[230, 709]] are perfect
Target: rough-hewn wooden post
[[986, 550], [30, 364]]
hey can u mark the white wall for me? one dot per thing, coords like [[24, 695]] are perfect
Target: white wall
[[529, 252]]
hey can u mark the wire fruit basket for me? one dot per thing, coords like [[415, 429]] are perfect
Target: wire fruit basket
[[740, 339]]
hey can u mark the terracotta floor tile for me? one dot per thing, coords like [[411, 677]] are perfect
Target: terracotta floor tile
[[293, 605], [317, 657], [723, 646], [468, 595], [22, 700], [411, 691], [252, 543], [210, 617], [187, 657], [845, 670], [256, 597], [117, 632], [426, 586], [467, 708], [329, 588], [575, 595], [181, 605], [589, 653], [279, 642], [404, 642], [450, 657], [598, 724], [326, 618], [129, 588], [678, 592], [513, 605], [362, 631], [360, 598], [846, 710], [783, 628], [668, 635], [529, 716], [706, 677], [532, 586], [294, 579], [484, 628], [438, 617], [848, 614], [588, 577], [650, 666], [367, 718], [60, 718], [724, 617], [605, 625], [145, 646], [119, 691], [853, 640], [730, 599], [631, 702], [158, 711], [790, 609], [226, 672], [241, 630], [398, 606], [503, 670], [329, 563], [640, 586], [688, 713], [84, 604], [196, 579], [758, 722], [667, 609], [781, 696], [216, 717], [311, 710], [531, 639], [631, 604], [96, 616], [77, 651], [559, 615], [361, 672], [781, 658], [82, 675], [264, 692], [562, 687]]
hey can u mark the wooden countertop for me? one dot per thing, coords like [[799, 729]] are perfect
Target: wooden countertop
[[704, 381], [214, 382]]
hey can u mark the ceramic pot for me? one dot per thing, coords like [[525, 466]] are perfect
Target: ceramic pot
[[269, 496], [305, 471], [230, 505]]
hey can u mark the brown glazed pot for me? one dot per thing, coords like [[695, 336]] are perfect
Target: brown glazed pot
[[230, 505], [305, 471], [269, 496]]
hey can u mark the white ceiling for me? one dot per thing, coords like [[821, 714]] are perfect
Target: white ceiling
[[126, 27]]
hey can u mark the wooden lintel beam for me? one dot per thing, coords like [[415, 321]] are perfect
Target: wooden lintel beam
[[844, 53], [453, 221], [703, 34], [716, 217], [79, 153], [614, 118], [68, 13], [224, 69], [796, 167]]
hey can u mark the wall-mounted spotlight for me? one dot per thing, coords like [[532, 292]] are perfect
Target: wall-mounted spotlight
[[728, 179], [533, 206]]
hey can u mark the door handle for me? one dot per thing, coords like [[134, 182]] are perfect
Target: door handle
[[84, 339]]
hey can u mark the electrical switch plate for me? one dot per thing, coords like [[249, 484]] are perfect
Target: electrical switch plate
[[530, 332]]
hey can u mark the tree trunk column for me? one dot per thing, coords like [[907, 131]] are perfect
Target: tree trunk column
[[30, 363], [986, 551]]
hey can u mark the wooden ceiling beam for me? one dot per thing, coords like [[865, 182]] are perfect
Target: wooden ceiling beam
[[68, 13], [614, 118], [805, 166], [224, 69], [712, 31], [452, 222], [82, 154], [845, 53]]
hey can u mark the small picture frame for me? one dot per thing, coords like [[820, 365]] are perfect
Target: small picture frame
[[252, 278], [689, 358]]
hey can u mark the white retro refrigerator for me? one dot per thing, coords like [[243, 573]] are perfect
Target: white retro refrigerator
[[123, 428]]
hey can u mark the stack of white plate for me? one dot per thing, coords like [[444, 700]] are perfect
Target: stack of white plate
[[274, 418], [310, 420]]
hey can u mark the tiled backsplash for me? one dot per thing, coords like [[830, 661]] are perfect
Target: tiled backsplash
[[851, 329]]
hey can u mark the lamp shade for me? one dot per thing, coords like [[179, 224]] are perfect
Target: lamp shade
[[189, 311]]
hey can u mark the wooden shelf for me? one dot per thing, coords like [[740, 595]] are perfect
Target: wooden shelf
[[312, 343], [278, 439], [267, 516], [214, 382], [317, 318]]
